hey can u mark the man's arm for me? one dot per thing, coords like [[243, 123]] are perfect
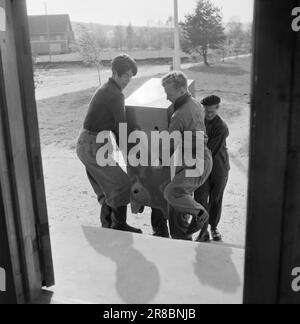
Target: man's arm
[[217, 141], [176, 124], [117, 106]]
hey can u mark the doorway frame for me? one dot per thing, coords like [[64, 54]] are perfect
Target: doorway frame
[[273, 224]]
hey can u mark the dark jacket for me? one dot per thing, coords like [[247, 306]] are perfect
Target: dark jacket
[[217, 132], [106, 109]]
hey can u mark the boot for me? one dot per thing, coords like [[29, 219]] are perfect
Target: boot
[[203, 237], [119, 221], [198, 222], [159, 224], [179, 224], [105, 216], [216, 235]]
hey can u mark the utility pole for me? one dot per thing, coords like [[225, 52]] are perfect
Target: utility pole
[[177, 58], [48, 31]]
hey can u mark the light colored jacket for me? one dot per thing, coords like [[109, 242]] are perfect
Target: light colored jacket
[[190, 117]]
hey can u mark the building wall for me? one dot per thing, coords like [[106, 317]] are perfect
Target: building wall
[[59, 44]]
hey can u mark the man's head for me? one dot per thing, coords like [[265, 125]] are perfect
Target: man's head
[[124, 68], [176, 85], [211, 105]]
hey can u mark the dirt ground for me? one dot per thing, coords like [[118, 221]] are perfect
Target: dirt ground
[[73, 78], [69, 195]]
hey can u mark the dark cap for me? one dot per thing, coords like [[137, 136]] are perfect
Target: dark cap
[[211, 101]]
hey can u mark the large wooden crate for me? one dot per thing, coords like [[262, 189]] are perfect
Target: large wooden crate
[[148, 110]]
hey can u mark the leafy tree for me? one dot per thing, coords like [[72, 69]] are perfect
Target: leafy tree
[[89, 48], [203, 30]]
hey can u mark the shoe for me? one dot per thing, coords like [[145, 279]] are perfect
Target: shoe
[[203, 237], [126, 228], [119, 221], [159, 224], [105, 216], [198, 222], [216, 235]]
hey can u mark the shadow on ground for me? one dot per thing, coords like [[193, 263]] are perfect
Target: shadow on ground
[[209, 272], [137, 279], [227, 68]]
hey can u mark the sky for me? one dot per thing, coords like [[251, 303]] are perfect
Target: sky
[[137, 12]]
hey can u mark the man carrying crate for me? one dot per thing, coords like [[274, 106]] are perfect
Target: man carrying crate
[[210, 195], [188, 117], [106, 112]]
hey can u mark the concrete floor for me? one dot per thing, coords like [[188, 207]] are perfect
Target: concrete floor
[[93, 265]]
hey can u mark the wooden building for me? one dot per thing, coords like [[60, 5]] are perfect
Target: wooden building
[[273, 229], [51, 33]]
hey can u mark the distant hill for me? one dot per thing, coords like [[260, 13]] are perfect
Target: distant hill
[[111, 36]]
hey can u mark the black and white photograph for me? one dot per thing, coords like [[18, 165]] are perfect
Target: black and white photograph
[[149, 154]]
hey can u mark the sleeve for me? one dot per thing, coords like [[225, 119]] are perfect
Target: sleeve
[[176, 124], [117, 107], [216, 142], [118, 110]]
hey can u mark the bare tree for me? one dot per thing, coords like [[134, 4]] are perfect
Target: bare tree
[[89, 48], [239, 36], [130, 37], [119, 37], [36, 76]]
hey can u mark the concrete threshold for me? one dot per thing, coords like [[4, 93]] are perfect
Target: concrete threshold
[[98, 266]]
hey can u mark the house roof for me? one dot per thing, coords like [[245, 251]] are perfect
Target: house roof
[[57, 24]]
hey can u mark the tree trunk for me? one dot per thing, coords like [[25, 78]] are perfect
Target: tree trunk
[[204, 54]]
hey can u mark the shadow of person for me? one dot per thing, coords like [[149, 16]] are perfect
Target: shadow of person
[[137, 279], [217, 269]]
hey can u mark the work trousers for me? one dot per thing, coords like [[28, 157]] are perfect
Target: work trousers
[[180, 196], [210, 195], [110, 183]]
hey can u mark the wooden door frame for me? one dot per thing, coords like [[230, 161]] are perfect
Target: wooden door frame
[[273, 222], [21, 173]]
